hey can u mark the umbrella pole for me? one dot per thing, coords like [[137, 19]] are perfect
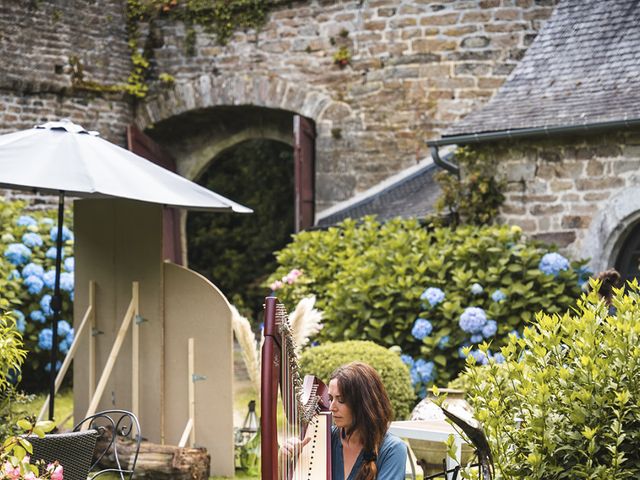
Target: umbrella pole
[[56, 305]]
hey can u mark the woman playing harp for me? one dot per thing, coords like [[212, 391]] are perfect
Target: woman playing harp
[[360, 447]]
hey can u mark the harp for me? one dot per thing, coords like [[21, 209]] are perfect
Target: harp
[[304, 406]]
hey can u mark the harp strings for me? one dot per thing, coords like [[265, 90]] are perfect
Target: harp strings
[[291, 392]]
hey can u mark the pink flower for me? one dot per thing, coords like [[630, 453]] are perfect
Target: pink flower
[[276, 285], [29, 476], [56, 471], [295, 273], [11, 472]]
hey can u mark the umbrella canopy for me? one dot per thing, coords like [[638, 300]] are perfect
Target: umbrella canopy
[[64, 157]]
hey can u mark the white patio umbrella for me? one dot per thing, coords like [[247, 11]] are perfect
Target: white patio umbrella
[[63, 158]]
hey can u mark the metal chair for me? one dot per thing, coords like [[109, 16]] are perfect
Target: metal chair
[[94, 443], [116, 429]]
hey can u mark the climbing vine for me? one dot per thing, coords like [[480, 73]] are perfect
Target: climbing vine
[[218, 17], [475, 196]]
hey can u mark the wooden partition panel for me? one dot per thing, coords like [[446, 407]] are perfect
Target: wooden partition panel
[[195, 308]]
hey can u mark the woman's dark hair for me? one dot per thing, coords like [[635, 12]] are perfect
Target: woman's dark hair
[[362, 390], [609, 279]]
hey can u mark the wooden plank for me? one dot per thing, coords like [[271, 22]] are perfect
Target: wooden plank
[[192, 390], [135, 352], [92, 339], [106, 373], [186, 434]]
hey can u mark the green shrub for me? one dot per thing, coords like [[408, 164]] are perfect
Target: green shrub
[[322, 360], [11, 357], [374, 282], [564, 405]]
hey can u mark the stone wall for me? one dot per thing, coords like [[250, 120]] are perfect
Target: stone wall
[[580, 193], [416, 66], [42, 44]]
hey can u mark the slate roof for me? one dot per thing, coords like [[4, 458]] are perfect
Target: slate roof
[[411, 193], [582, 68]]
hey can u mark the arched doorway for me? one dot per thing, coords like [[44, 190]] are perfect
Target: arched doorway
[[236, 251], [628, 261]]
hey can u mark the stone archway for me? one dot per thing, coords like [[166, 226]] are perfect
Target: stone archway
[[610, 228]]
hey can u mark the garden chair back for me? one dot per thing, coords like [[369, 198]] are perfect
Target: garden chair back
[[109, 440]]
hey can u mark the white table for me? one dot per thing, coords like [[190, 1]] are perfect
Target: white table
[[431, 430]]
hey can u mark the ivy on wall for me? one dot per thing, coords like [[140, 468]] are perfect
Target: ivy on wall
[[475, 196], [219, 17]]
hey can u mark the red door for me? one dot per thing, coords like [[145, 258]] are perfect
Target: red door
[[304, 169], [142, 145]]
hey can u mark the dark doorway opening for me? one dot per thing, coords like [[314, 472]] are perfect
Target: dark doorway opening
[[236, 251], [628, 262]]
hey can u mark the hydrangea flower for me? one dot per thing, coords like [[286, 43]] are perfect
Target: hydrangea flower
[[17, 253], [490, 329], [47, 367], [472, 320], [476, 338], [45, 339], [499, 358], [553, 263], [34, 284], [498, 296], [407, 360], [49, 278], [421, 328], [14, 275], [69, 264], [444, 342], [32, 269], [476, 289], [45, 305], [21, 324], [415, 376], [66, 233], [51, 253], [426, 370], [433, 295], [66, 281], [26, 221], [479, 356], [31, 240], [37, 316]]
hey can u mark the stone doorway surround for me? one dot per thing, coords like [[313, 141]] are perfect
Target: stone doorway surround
[[269, 104], [610, 228]]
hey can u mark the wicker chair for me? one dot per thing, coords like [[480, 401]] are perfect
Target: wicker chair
[[94, 444]]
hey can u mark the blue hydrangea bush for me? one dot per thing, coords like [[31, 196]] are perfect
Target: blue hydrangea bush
[[27, 268], [430, 291]]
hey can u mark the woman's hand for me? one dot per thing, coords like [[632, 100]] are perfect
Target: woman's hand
[[292, 447]]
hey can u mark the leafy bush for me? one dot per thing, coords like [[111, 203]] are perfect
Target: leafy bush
[[11, 357], [428, 290], [321, 361], [27, 270], [564, 404]]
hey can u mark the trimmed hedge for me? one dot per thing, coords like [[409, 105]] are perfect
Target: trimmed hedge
[[322, 360]]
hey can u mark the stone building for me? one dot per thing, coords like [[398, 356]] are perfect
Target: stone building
[[412, 68], [562, 125], [565, 128]]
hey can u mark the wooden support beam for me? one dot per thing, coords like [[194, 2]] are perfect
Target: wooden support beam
[[92, 340], [192, 391], [135, 353], [106, 373]]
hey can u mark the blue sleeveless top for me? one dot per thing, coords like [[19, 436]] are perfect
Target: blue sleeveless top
[[391, 462]]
